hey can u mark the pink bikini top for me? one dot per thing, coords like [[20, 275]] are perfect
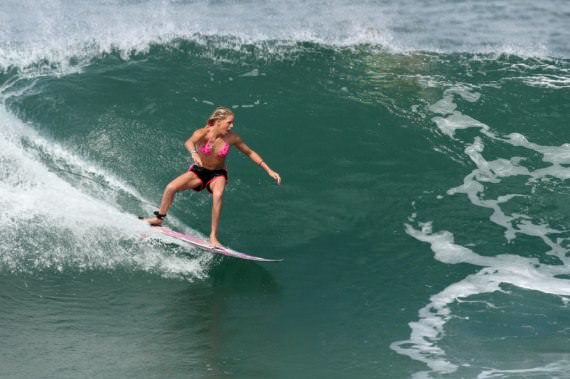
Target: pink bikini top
[[207, 149]]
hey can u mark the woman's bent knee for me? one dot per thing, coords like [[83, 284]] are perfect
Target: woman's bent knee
[[171, 188]]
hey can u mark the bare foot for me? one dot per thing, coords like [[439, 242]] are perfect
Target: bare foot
[[153, 221], [214, 241]]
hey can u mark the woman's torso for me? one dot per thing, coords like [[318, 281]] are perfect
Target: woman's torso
[[213, 153]]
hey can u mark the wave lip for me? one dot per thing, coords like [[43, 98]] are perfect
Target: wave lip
[[58, 30]]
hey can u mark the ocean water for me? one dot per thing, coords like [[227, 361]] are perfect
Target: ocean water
[[423, 216]]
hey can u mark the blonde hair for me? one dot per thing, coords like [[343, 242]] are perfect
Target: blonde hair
[[220, 113]]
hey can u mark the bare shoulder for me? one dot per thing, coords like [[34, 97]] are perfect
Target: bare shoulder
[[233, 138], [200, 133]]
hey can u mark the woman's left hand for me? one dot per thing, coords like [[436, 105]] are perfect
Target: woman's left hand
[[275, 176]]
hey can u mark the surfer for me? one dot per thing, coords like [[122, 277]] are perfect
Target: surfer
[[209, 147]]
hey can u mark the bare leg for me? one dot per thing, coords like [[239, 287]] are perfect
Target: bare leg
[[217, 187], [184, 182]]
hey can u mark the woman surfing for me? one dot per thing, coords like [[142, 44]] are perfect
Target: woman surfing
[[209, 147]]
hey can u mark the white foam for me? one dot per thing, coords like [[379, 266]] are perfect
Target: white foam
[[495, 270], [47, 223], [522, 272], [552, 370], [556, 155], [546, 81], [451, 119], [495, 171]]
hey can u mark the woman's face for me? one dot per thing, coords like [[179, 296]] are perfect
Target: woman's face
[[225, 124]]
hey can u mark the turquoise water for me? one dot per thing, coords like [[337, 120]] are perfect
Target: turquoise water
[[423, 215]]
